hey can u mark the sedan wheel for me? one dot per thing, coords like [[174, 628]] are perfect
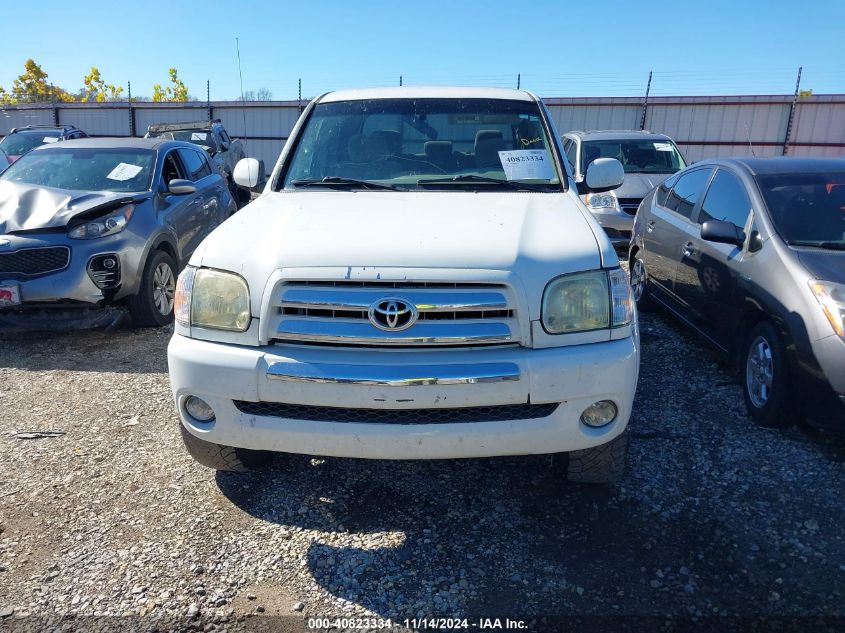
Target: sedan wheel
[[759, 372], [639, 282], [768, 393]]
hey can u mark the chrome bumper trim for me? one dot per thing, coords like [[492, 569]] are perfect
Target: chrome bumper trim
[[393, 375]]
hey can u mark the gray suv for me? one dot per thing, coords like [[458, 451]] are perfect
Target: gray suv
[[647, 158], [89, 224]]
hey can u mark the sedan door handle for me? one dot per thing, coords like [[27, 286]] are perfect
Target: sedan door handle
[[650, 226], [688, 250]]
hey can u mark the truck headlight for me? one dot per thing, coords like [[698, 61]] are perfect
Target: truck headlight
[[600, 200], [831, 297], [107, 225], [593, 300], [212, 299]]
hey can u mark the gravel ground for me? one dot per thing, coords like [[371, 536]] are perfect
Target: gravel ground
[[715, 517]]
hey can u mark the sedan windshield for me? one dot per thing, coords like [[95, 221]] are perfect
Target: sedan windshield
[[85, 169], [479, 144], [21, 142], [807, 209], [637, 156]]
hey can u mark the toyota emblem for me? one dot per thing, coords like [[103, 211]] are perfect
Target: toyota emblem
[[393, 314]]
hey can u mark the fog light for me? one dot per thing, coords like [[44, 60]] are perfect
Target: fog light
[[109, 263], [199, 409], [599, 413]]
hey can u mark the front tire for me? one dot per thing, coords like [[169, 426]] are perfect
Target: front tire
[[603, 464], [639, 282], [219, 457], [153, 305], [765, 373]]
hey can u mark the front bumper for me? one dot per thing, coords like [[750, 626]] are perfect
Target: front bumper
[[73, 284], [616, 223], [389, 380]]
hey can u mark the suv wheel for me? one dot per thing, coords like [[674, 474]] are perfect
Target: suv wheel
[[599, 465], [219, 457], [765, 377], [153, 305], [639, 282]]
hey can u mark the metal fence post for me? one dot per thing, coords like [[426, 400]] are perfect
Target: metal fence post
[[131, 110], [792, 108], [208, 99], [645, 102]]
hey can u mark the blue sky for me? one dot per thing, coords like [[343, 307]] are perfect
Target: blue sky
[[602, 48]]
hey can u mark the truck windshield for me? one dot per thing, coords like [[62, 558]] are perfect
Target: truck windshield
[[644, 156], [807, 209], [424, 143], [84, 169]]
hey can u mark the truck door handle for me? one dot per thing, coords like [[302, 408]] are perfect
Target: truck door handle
[[650, 226], [688, 250]]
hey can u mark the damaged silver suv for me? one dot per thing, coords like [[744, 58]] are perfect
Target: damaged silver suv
[[88, 226]]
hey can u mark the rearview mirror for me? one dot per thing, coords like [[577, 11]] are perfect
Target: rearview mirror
[[722, 232], [604, 174], [249, 174], [179, 187]]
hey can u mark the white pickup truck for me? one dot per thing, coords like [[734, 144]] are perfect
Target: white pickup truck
[[418, 280]]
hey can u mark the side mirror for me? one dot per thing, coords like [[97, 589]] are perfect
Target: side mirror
[[179, 187], [604, 174], [755, 242], [249, 173], [722, 232]]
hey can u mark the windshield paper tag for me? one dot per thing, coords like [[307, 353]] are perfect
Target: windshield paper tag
[[51, 139], [663, 147], [527, 164], [199, 136], [124, 171]]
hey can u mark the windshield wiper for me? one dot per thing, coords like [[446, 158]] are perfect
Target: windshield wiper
[[834, 246], [340, 181], [474, 178]]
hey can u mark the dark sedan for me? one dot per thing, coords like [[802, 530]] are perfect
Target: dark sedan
[[751, 254]]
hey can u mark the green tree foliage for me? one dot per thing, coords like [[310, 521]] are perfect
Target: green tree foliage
[[177, 91], [96, 89], [32, 87]]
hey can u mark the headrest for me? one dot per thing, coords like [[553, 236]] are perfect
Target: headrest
[[356, 149], [392, 140], [438, 150]]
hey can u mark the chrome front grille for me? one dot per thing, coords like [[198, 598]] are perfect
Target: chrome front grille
[[338, 312]]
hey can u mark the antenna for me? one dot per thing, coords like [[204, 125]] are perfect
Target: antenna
[[748, 136], [243, 104]]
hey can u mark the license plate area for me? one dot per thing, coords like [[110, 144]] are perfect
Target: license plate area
[[10, 295]]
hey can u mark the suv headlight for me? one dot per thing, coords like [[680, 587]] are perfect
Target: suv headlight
[[107, 225], [212, 299], [600, 200], [831, 297], [593, 300]]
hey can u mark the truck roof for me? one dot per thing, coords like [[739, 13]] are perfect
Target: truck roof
[[616, 135], [175, 127], [427, 92]]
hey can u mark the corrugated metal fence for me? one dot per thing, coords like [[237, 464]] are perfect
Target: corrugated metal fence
[[704, 127]]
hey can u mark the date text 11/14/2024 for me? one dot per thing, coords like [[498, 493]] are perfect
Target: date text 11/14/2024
[[418, 624]]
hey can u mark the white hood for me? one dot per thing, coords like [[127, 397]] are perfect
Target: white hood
[[537, 236]]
